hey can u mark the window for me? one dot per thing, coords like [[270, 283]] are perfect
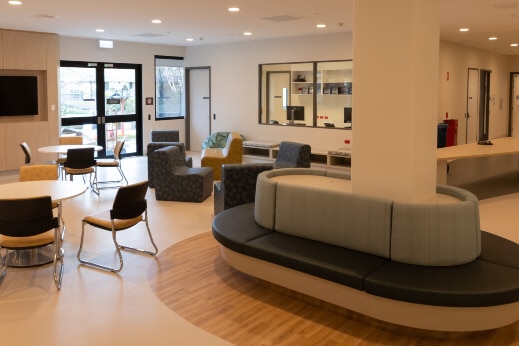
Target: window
[[169, 88]]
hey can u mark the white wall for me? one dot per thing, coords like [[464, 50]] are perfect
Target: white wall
[[456, 60], [79, 49], [234, 80], [234, 84]]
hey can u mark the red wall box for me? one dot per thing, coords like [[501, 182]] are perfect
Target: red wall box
[[452, 132]]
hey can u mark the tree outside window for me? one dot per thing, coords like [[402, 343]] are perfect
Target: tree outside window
[[169, 88]]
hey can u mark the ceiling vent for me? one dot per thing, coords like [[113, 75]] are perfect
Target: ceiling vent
[[282, 18], [148, 35]]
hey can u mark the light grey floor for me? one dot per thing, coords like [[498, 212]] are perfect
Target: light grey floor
[[99, 308]]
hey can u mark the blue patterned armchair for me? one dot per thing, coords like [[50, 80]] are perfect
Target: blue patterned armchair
[[176, 182], [238, 181], [237, 185], [152, 146], [293, 155], [165, 136]]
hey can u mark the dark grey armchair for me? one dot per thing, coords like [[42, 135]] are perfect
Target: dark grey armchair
[[238, 181], [161, 139], [176, 182], [165, 136], [293, 155]]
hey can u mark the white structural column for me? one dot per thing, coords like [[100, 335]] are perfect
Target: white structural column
[[395, 98]]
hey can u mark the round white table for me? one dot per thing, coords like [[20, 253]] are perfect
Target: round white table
[[58, 190], [63, 148]]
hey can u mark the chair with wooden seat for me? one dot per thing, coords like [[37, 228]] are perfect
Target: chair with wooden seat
[[27, 152], [114, 163], [129, 209], [27, 224], [81, 162], [43, 172], [67, 140]]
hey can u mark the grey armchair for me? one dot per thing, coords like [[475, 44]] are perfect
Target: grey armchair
[[176, 182], [165, 136], [161, 139], [293, 155], [238, 181]]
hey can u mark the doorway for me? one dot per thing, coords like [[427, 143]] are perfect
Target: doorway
[[198, 106], [278, 91], [484, 104], [476, 125], [468, 128], [513, 113], [103, 103]]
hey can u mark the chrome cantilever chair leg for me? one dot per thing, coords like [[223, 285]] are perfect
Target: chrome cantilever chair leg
[[3, 267], [57, 273], [118, 247]]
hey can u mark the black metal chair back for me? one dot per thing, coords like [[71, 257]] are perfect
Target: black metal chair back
[[26, 217], [27, 152], [80, 158]]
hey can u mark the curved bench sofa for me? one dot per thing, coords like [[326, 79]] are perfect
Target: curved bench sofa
[[425, 266]]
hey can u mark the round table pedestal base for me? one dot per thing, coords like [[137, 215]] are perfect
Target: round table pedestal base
[[31, 257]]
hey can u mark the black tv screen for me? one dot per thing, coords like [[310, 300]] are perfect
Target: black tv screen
[[18, 95], [299, 113]]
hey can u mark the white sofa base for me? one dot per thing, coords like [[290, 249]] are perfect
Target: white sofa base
[[428, 317]]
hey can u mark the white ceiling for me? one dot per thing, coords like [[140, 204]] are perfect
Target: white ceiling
[[209, 22]]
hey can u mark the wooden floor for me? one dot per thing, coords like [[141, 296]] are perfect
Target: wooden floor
[[193, 280], [187, 295]]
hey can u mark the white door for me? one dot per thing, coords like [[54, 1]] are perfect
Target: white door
[[278, 91], [469, 132], [199, 107]]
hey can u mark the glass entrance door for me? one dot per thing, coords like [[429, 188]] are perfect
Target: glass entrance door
[[103, 103]]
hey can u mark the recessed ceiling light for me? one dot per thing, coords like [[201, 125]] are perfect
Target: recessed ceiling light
[[189, 39], [321, 25], [492, 38], [464, 29], [514, 45], [156, 21], [247, 33], [14, 2], [100, 30], [233, 9]]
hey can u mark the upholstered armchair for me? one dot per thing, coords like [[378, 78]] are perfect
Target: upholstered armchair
[[237, 185], [216, 157], [161, 139], [176, 182], [293, 155], [165, 136], [238, 181]]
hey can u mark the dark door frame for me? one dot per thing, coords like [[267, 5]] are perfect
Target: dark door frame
[[188, 103]]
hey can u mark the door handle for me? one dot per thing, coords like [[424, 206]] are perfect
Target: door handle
[[205, 98]]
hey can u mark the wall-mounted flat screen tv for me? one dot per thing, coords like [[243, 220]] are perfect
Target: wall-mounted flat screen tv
[[18, 95], [296, 113]]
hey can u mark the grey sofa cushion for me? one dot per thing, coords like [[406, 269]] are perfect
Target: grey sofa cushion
[[234, 227], [330, 262], [437, 234]]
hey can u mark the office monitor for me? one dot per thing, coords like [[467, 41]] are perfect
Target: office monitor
[[296, 113], [347, 115]]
